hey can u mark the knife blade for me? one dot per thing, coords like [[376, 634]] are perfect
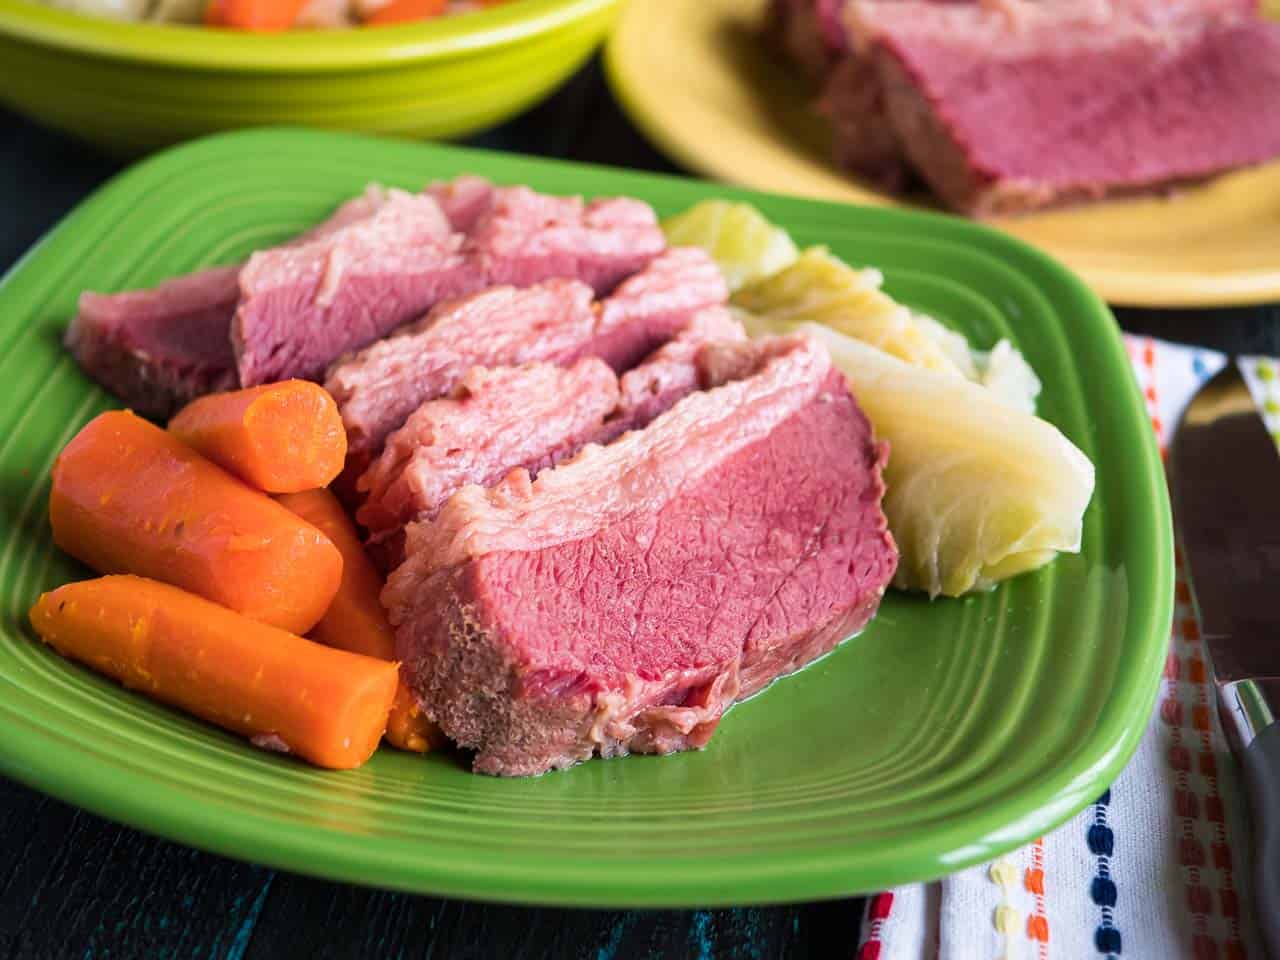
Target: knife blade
[[1224, 471]]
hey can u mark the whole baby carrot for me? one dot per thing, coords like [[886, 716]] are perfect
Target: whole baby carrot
[[406, 11], [356, 620], [280, 437], [327, 706], [128, 497], [262, 16]]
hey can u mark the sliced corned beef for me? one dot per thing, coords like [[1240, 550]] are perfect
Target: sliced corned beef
[[381, 260], [525, 237], [532, 416], [1019, 29], [623, 599], [814, 37], [670, 373], [812, 33], [863, 138], [158, 349], [654, 304], [496, 419], [1007, 111], [866, 140], [300, 307], [379, 387], [464, 200], [809, 32]]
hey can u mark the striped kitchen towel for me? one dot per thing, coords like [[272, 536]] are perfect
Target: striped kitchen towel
[[1156, 868]]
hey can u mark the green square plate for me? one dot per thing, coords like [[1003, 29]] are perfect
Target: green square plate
[[944, 734]]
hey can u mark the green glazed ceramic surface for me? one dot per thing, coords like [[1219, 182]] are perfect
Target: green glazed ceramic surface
[[131, 87], [944, 734]]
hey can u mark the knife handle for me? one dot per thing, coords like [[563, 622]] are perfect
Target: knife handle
[[1252, 709]]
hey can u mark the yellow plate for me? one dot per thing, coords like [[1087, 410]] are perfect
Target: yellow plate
[[696, 78]]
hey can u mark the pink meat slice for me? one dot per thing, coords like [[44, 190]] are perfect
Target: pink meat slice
[[530, 417], [1013, 29], [379, 387], [625, 598], [555, 321], [656, 303], [866, 140], [300, 307], [497, 419], [159, 348], [1092, 99], [355, 278], [863, 137], [525, 237], [464, 200], [670, 373]]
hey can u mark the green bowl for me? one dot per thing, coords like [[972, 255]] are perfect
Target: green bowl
[[132, 87]]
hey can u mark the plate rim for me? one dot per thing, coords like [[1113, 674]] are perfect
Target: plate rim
[[1132, 288], [113, 791]]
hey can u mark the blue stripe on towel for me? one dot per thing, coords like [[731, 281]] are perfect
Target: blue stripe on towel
[[1102, 890]]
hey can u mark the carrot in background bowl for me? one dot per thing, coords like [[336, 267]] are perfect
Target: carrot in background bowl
[[406, 11], [280, 437], [128, 497], [259, 16], [327, 706]]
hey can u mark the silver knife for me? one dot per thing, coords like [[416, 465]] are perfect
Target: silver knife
[[1224, 471]]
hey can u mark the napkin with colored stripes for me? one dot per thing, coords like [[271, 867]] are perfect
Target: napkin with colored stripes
[[1156, 868]]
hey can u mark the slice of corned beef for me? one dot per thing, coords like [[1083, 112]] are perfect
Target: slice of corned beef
[[670, 373], [464, 200], [496, 419], [863, 138], [1059, 103], [654, 304], [158, 349], [532, 417], [623, 599], [379, 387], [300, 307], [525, 237], [809, 32]]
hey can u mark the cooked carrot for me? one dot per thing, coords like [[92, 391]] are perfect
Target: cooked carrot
[[356, 620], [213, 14], [262, 16], [280, 437], [129, 497], [406, 11], [327, 706]]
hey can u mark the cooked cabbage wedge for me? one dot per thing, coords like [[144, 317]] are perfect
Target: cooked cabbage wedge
[[977, 491], [1005, 372], [1002, 369], [742, 242], [955, 345], [787, 286], [824, 289]]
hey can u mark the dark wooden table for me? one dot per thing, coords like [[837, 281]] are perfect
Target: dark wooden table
[[75, 885]]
